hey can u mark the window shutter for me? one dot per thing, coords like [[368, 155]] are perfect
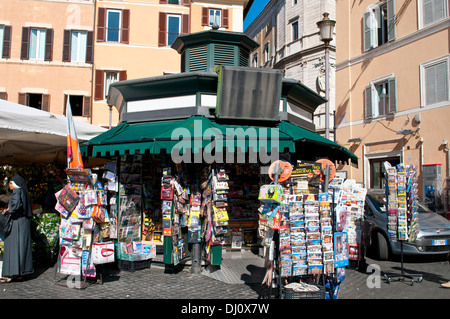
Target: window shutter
[[225, 18], [99, 79], [162, 1], [368, 102], [430, 76], [3, 96], [368, 30], [23, 98], [101, 25], [122, 75], [87, 106], [441, 82], [24, 50], [125, 32], [427, 12], [6, 42], [162, 29], [205, 16], [49, 45], [391, 19], [66, 45], [186, 2], [90, 47], [392, 107], [185, 24], [45, 106], [65, 105]]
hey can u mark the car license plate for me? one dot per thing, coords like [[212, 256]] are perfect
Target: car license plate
[[440, 242]]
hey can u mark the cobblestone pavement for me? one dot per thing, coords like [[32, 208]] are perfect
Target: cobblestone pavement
[[158, 283]]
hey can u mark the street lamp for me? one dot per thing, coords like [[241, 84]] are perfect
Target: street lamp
[[326, 27]]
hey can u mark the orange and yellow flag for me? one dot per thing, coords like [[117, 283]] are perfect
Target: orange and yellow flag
[[74, 159]]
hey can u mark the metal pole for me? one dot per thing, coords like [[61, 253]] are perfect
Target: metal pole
[[327, 91], [196, 258]]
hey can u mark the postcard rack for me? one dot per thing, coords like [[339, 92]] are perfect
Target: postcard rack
[[303, 255], [401, 196]]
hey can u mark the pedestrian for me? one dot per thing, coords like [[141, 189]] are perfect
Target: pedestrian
[[446, 284], [17, 255]]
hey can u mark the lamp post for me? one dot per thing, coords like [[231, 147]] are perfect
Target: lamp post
[[326, 27]]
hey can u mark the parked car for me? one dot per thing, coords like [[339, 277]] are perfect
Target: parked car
[[433, 237]]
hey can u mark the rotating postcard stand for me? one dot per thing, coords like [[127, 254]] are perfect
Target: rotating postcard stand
[[401, 190], [402, 275], [73, 271], [276, 265]]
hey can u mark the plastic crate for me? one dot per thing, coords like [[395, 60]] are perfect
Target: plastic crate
[[128, 265], [288, 293]]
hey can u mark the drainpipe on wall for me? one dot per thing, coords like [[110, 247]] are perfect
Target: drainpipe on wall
[[93, 62]]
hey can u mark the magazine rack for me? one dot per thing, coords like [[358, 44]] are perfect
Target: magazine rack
[[76, 281]]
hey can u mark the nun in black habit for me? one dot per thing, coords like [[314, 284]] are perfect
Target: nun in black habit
[[17, 255]]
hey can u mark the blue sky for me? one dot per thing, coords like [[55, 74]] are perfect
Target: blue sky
[[255, 10]]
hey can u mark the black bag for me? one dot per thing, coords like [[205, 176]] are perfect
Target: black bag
[[5, 224]]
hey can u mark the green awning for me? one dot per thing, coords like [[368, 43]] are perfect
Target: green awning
[[199, 133]]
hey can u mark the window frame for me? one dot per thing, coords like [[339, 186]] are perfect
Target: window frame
[[295, 31], [105, 81], [423, 84], [179, 17], [420, 13], [370, 91], [41, 36], [81, 49], [255, 60], [266, 52], [374, 24], [119, 29], [213, 17]]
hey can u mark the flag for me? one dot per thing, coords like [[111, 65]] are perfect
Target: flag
[[74, 159]]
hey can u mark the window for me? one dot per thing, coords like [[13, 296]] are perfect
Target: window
[[5, 41], [113, 25], [35, 100], [255, 60], [432, 11], [37, 44], [110, 78], [295, 31], [78, 46], [266, 52], [212, 16], [182, 2], [173, 28], [103, 79], [380, 98], [379, 24], [79, 104], [435, 81], [377, 179]]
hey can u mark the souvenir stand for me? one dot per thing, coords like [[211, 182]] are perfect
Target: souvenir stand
[[84, 229], [298, 230], [403, 217]]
